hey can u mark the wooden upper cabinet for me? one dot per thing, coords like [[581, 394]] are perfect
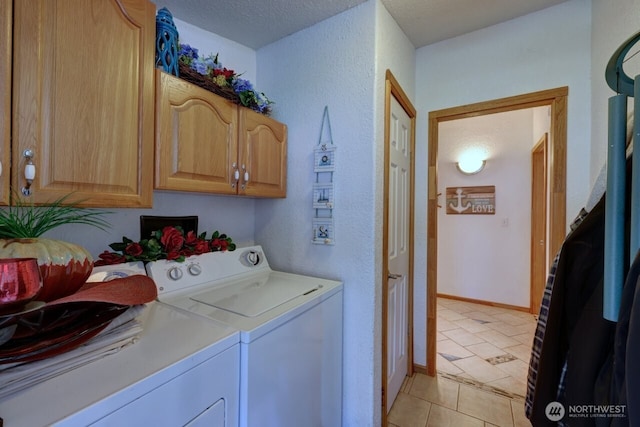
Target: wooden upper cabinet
[[196, 140], [83, 99], [205, 143], [5, 105], [262, 155]]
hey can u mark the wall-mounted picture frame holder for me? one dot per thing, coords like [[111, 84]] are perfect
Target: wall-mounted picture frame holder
[[324, 159]]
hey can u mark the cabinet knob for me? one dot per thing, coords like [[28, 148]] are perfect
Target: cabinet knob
[[245, 177], [29, 171], [236, 175]]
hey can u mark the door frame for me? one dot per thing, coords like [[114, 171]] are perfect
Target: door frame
[[539, 190], [393, 88], [557, 100]]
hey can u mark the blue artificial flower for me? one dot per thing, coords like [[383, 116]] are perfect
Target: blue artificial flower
[[188, 51], [210, 63], [242, 85], [201, 67], [263, 103]]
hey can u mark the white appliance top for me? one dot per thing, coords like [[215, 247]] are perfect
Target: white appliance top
[[160, 354], [239, 289], [256, 296]]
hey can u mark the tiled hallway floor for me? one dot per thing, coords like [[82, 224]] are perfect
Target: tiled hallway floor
[[491, 345], [482, 363]]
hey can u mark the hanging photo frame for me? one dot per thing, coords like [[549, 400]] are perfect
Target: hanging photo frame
[[323, 231], [325, 158], [323, 196]]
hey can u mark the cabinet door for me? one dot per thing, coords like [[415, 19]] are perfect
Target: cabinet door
[[263, 155], [5, 105], [83, 99], [196, 140]]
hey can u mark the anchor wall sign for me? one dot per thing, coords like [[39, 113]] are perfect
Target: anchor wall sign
[[471, 200]]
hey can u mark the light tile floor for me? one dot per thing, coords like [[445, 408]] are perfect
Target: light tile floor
[[482, 362]]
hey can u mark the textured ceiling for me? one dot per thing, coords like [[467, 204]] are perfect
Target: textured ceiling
[[256, 23]]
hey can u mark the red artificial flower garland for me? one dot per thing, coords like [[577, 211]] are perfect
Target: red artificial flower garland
[[170, 243]]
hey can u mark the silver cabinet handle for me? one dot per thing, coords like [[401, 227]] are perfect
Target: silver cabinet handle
[[236, 175], [29, 172], [245, 177], [394, 276]]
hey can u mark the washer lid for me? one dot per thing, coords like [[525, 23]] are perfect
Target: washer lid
[[255, 296]]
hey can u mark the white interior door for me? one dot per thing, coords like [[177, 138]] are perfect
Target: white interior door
[[398, 245]]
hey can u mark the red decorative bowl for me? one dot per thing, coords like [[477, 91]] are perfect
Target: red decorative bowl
[[64, 266], [20, 282]]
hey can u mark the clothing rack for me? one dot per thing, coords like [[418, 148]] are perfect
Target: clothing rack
[[614, 241]]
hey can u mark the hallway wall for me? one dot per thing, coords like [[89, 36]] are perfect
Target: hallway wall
[[339, 63]]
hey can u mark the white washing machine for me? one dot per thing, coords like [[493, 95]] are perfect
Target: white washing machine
[[290, 332], [182, 370]]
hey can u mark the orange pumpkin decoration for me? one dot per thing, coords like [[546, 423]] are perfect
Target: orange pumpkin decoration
[[64, 266]]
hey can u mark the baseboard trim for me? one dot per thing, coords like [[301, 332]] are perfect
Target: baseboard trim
[[420, 369], [489, 303]]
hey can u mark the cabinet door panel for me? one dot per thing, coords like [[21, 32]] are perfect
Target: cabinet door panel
[[5, 93], [196, 143], [83, 99], [263, 152]]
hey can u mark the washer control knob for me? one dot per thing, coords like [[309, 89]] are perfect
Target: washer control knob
[[252, 258], [194, 269], [175, 273]]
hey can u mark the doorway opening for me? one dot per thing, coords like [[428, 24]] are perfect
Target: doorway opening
[[556, 99]]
